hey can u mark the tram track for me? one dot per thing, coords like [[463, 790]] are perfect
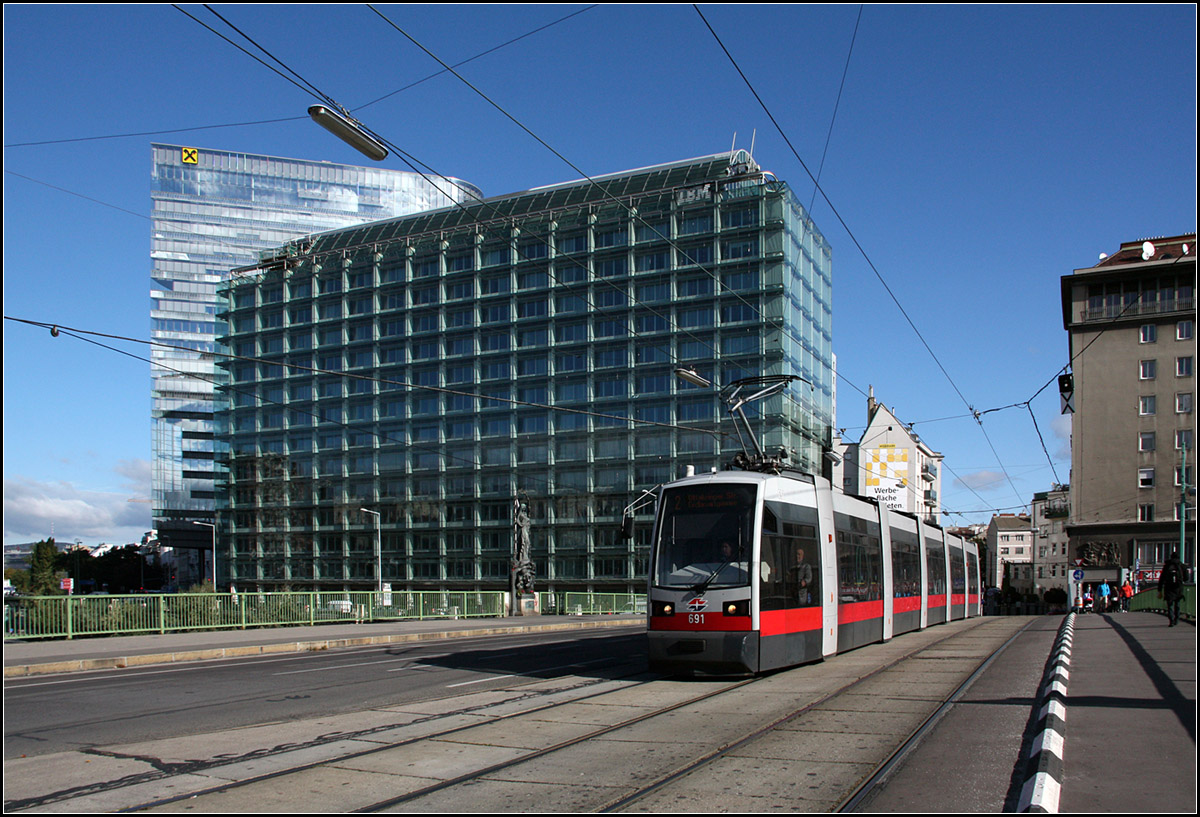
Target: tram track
[[630, 682], [162, 771], [873, 780], [524, 759]]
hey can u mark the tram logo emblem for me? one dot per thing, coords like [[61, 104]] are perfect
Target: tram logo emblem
[[696, 605]]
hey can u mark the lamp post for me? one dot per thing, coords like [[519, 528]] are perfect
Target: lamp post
[[214, 549], [378, 548]]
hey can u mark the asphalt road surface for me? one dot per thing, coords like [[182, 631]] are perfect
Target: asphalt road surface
[[79, 711]]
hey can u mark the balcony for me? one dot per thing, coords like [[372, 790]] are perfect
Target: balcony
[[1110, 311]]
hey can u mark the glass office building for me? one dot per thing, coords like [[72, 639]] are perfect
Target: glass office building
[[213, 211], [435, 369]]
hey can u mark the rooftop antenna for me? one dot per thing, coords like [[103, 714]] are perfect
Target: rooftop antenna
[[733, 146], [753, 136]]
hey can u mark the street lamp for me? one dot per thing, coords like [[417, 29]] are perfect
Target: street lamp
[[378, 547], [214, 549], [692, 376], [349, 131]]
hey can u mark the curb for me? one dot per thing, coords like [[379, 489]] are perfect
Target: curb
[[1044, 769], [311, 645]]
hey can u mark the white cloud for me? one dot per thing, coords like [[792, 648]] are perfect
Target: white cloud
[[34, 510], [1061, 428]]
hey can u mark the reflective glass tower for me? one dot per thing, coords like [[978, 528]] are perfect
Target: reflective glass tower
[[428, 373], [213, 211]]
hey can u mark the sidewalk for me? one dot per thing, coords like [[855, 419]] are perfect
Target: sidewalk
[[1130, 742], [1126, 742], [37, 657]]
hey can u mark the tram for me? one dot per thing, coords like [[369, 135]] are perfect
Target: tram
[[756, 569]]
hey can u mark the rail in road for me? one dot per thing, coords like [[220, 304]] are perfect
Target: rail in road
[[809, 738]]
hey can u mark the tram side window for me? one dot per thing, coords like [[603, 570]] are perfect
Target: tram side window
[[958, 584], [790, 567], [972, 574], [935, 561], [906, 564], [860, 559]]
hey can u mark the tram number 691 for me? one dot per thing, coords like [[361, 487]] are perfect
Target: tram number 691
[[695, 618]]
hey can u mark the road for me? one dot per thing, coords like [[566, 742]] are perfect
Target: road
[[86, 710]]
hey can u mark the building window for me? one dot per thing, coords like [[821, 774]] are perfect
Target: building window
[[1146, 405], [1152, 553], [1146, 441], [1149, 334], [1183, 366], [1183, 402], [1181, 475], [1183, 330], [1183, 439], [1146, 512], [1146, 369], [1145, 477]]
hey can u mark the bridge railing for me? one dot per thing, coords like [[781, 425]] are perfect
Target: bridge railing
[[33, 617], [591, 604], [1148, 601]]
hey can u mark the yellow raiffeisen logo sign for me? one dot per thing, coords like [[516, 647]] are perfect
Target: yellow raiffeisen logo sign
[[191, 156], [887, 476]]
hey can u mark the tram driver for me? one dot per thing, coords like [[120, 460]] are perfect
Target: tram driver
[[731, 564]]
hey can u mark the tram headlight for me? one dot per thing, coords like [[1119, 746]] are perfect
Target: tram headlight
[[737, 608], [662, 608]]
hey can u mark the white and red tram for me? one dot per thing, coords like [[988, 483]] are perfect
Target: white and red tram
[[751, 571]]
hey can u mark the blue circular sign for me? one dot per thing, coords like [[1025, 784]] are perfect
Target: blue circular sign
[[1077, 575]]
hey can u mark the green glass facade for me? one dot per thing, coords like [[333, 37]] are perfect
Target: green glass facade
[[434, 367]]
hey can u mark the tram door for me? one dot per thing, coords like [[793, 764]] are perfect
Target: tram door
[[789, 585], [860, 580], [935, 568], [958, 584]]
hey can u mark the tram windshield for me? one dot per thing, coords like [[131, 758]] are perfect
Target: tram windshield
[[705, 536]]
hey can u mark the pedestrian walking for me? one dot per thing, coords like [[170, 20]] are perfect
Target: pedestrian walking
[[1105, 594], [1170, 586], [1126, 596]]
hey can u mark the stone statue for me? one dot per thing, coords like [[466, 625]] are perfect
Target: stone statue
[[522, 564], [1100, 554]]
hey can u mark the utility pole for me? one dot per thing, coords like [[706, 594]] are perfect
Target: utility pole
[[1183, 506]]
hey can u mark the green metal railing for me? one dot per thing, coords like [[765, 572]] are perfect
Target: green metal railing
[[31, 617], [591, 604], [1148, 600]]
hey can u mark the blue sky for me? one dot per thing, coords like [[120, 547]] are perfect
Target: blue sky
[[978, 154]]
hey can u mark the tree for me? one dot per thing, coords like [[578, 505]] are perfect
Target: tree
[[18, 578], [42, 568]]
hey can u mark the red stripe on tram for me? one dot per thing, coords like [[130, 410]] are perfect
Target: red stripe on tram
[[778, 622], [859, 611]]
